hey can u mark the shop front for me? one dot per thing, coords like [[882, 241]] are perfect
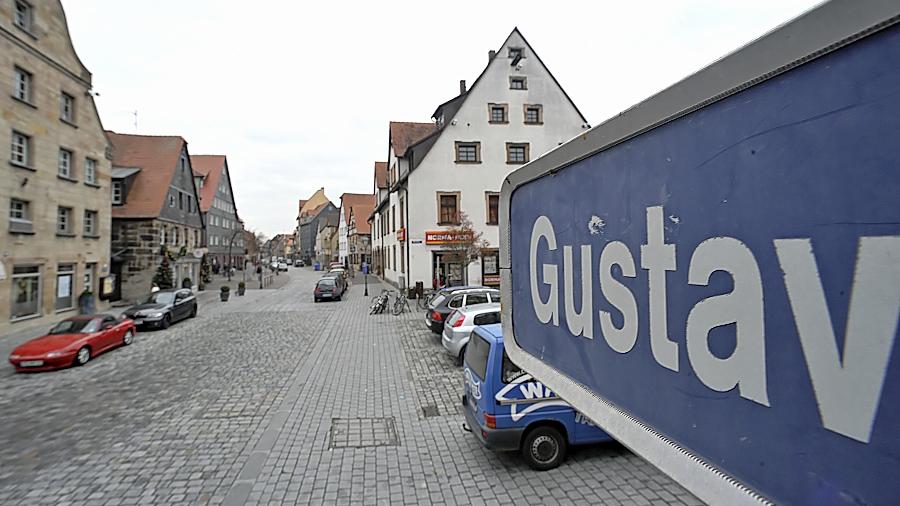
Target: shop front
[[448, 265], [490, 267]]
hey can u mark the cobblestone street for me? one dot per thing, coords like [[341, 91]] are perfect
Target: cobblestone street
[[272, 399]]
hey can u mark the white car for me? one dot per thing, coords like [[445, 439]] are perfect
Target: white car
[[460, 324], [282, 266]]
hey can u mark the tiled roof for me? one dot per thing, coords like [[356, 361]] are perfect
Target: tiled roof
[[349, 200], [405, 134], [157, 157], [362, 212], [300, 207], [381, 175], [210, 167]]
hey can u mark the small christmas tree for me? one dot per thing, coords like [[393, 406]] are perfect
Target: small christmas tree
[[163, 276], [204, 270]]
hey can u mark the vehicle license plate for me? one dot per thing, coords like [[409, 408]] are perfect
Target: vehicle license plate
[[31, 363]]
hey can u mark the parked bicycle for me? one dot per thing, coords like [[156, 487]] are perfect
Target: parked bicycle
[[401, 304], [424, 298], [379, 302]]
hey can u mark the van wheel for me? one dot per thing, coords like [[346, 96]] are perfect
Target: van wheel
[[544, 448]]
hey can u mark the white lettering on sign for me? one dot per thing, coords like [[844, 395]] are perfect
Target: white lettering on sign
[[847, 386]]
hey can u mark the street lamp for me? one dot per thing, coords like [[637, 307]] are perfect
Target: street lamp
[[366, 273]]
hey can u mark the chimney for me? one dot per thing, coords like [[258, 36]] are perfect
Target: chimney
[[491, 55], [462, 86]]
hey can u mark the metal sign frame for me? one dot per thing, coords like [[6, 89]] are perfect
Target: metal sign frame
[[815, 33]]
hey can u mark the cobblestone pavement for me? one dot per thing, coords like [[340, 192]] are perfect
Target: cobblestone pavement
[[272, 399]]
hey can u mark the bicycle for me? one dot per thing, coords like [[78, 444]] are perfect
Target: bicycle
[[401, 304], [423, 299], [379, 302]]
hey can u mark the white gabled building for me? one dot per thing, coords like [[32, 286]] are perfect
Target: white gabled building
[[348, 201], [513, 112]]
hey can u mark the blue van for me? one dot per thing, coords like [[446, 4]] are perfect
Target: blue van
[[508, 410]]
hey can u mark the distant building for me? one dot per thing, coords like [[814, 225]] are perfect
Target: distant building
[[156, 210], [55, 188], [514, 112], [326, 238], [224, 237], [311, 211], [348, 201], [359, 238]]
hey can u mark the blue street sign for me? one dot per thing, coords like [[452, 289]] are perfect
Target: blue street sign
[[728, 283]]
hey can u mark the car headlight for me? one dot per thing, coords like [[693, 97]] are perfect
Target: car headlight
[[15, 357], [156, 315], [54, 354]]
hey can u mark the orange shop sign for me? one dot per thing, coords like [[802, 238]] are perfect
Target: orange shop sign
[[446, 237]]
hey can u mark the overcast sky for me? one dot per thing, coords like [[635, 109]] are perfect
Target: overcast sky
[[298, 95]]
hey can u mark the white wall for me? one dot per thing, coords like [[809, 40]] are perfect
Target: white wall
[[342, 235], [439, 171]]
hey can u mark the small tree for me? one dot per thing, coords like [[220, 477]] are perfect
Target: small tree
[[465, 244], [204, 270], [163, 276]]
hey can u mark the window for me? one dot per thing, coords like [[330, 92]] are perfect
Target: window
[[22, 84], [509, 371], [90, 223], [162, 235], [23, 15], [487, 318], [90, 171], [493, 208], [171, 200], [26, 292], [393, 219], [468, 152], [180, 201], [117, 192], [402, 260], [89, 274], [175, 237], [190, 203], [518, 83], [18, 210], [515, 52], [498, 113], [448, 208], [64, 221], [516, 152], [64, 165], [64, 276], [476, 298], [67, 108], [477, 352], [394, 254], [21, 145], [534, 114]]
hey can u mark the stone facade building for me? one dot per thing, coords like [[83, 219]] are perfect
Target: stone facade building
[[224, 238], [155, 207], [359, 238], [326, 239], [308, 224], [348, 201], [55, 188]]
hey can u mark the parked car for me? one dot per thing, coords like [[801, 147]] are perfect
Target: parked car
[[339, 271], [445, 303], [299, 263], [508, 410], [342, 283], [161, 309], [282, 266], [462, 322], [335, 264], [329, 288], [73, 341]]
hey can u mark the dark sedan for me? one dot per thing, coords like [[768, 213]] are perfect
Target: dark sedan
[[329, 288], [163, 308]]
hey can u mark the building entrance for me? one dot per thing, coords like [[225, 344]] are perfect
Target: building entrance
[[447, 270]]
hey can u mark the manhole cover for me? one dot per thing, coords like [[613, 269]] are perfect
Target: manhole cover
[[362, 432]]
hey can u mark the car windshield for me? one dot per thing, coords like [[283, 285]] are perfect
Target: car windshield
[[159, 298], [76, 327], [326, 282]]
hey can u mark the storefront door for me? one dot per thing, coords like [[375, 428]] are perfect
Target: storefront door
[[447, 270]]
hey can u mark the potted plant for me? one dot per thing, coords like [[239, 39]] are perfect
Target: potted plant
[[241, 288], [186, 282], [201, 286], [224, 293]]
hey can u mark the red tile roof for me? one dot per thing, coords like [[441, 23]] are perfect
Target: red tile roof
[[349, 200], [300, 207], [381, 175], [210, 167], [157, 157], [361, 212], [405, 134]]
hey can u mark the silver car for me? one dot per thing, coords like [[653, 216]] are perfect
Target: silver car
[[462, 322]]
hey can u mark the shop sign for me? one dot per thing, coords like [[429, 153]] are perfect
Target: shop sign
[[401, 234], [445, 237]]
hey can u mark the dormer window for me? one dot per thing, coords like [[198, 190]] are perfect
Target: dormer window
[[23, 15], [515, 53]]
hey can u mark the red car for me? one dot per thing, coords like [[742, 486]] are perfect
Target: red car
[[73, 341]]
